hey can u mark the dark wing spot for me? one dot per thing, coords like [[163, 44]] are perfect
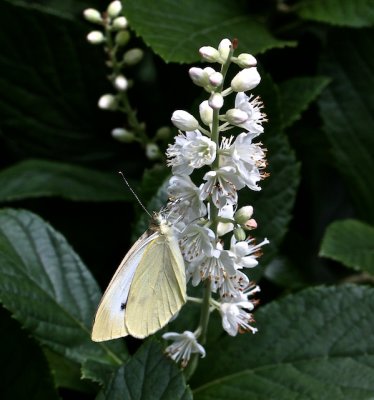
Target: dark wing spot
[[123, 306]]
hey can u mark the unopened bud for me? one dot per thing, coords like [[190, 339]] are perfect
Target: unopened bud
[[246, 79], [206, 112], [123, 135], [121, 83], [224, 49], [107, 102], [133, 56], [250, 224], [114, 8], [120, 23], [209, 53], [122, 38], [96, 37], [216, 79], [163, 133], [92, 15], [152, 151], [235, 116], [184, 120], [216, 101], [246, 60], [243, 214], [239, 234]]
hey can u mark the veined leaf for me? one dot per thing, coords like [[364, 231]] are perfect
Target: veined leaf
[[41, 178], [176, 29], [316, 344], [48, 290], [350, 242]]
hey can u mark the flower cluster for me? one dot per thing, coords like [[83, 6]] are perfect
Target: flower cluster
[[115, 36], [211, 227]]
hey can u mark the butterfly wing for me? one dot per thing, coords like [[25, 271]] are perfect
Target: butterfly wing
[[158, 290], [109, 321]]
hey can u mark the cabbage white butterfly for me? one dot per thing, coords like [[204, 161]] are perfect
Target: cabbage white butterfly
[[148, 288]]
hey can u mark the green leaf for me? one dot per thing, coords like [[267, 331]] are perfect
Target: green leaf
[[148, 375], [67, 9], [48, 289], [40, 178], [50, 82], [357, 13], [316, 344], [297, 94], [176, 29], [350, 242], [347, 110], [25, 374]]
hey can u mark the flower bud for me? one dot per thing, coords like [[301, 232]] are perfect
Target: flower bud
[[107, 102], [243, 214], [239, 234], [250, 224], [216, 79], [206, 112], [209, 53], [120, 23], [246, 60], [152, 151], [198, 76], [121, 83], [122, 38], [96, 37], [92, 15], [224, 49], [223, 228], [235, 116], [246, 79], [123, 135], [184, 120], [216, 101], [133, 56], [163, 133], [114, 8]]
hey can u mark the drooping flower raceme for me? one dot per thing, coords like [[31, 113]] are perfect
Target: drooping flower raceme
[[212, 230]]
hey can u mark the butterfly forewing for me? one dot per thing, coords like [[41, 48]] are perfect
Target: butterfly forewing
[[158, 290], [109, 321]]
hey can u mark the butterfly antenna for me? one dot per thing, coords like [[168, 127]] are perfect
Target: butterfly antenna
[[135, 195]]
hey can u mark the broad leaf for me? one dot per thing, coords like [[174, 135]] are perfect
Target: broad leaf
[[25, 375], [148, 375], [317, 344], [347, 110], [48, 289], [350, 242], [297, 94], [176, 29], [40, 178], [50, 82], [356, 13]]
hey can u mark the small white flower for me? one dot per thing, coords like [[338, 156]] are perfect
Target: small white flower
[[197, 242], [120, 23], [92, 15], [233, 285], [246, 79], [206, 112], [121, 83], [184, 120], [246, 252], [235, 319], [114, 8], [209, 53], [252, 107], [187, 198], [190, 151], [107, 102], [184, 345], [222, 185], [96, 37]]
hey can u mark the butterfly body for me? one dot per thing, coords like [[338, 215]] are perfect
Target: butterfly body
[[148, 288]]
